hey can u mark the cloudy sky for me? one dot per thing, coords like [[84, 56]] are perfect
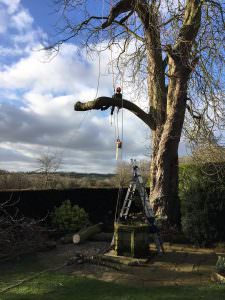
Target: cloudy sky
[[37, 96]]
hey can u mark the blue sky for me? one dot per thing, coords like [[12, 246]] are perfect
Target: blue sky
[[37, 97], [42, 12]]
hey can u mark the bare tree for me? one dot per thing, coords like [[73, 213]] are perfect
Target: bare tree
[[124, 173], [211, 159], [178, 48], [49, 164]]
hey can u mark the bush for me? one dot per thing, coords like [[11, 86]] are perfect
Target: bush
[[202, 204], [220, 265], [68, 217]]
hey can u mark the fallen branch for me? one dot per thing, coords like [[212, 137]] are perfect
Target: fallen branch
[[18, 235]]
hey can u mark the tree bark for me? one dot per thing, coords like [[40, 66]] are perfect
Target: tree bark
[[164, 176]]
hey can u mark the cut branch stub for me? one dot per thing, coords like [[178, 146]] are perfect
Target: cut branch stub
[[104, 103]]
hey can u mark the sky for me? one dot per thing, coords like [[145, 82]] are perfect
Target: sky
[[37, 96]]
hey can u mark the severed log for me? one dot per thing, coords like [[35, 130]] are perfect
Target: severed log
[[104, 103], [86, 233], [100, 237]]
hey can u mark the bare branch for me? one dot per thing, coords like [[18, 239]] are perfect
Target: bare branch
[[138, 37], [194, 114]]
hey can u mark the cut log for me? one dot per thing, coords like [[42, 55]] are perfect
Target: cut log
[[102, 237], [86, 233]]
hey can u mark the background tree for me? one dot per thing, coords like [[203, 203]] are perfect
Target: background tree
[[124, 173], [49, 163], [177, 47]]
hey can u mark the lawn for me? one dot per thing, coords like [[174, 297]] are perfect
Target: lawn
[[61, 285], [56, 286]]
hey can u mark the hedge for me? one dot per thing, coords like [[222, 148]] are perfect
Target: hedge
[[100, 204], [202, 196]]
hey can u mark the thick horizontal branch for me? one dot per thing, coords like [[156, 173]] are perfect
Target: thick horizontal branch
[[104, 103]]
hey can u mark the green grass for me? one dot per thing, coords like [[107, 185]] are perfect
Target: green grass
[[53, 286]]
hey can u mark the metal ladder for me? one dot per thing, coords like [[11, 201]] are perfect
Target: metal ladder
[[138, 184]]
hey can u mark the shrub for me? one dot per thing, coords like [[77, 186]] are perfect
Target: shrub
[[202, 205], [68, 217], [220, 265]]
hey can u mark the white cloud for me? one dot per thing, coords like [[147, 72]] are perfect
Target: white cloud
[[67, 72], [18, 31], [7, 10], [22, 20], [11, 5], [29, 39]]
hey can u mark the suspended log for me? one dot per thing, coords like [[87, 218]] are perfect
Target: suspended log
[[86, 233]]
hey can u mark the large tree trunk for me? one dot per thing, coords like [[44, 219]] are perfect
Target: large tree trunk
[[164, 195], [164, 170]]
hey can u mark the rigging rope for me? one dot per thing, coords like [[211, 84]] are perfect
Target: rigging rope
[[116, 120]]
